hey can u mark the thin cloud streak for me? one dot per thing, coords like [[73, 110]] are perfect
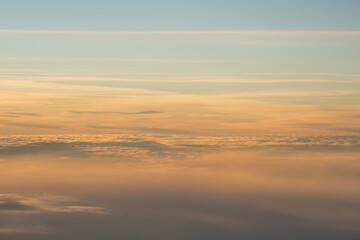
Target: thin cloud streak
[[120, 59], [186, 32], [194, 79], [15, 71]]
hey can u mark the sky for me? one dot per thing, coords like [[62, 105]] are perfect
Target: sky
[[146, 15], [154, 119]]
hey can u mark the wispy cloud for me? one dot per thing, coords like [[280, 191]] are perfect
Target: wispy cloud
[[189, 32], [61, 204], [7, 72], [114, 113], [7, 75], [34, 230], [123, 59]]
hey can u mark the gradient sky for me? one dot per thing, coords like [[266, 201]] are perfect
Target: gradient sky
[[160, 120], [143, 15], [217, 53]]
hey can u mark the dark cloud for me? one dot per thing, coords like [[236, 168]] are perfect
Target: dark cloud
[[149, 145], [114, 112], [88, 148], [30, 125], [163, 130], [24, 113], [149, 112], [10, 115], [199, 146], [13, 205], [167, 215], [21, 114], [172, 145], [58, 148], [349, 130], [97, 112]]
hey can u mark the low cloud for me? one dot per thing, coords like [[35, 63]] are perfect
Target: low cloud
[[11, 203], [165, 143], [30, 217], [271, 183], [34, 230]]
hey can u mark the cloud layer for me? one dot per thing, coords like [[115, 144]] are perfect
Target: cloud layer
[[207, 189]]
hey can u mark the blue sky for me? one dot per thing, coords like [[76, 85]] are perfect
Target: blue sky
[[146, 15]]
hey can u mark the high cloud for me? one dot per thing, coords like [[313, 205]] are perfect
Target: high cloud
[[247, 32]]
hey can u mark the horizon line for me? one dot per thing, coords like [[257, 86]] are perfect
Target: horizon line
[[188, 32]]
